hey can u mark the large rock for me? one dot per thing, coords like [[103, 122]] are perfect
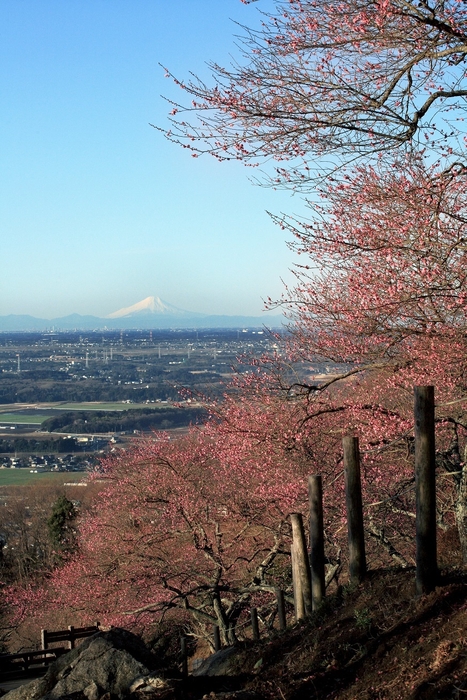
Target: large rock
[[108, 662], [222, 663]]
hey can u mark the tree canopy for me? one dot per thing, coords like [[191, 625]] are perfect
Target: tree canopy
[[322, 84]]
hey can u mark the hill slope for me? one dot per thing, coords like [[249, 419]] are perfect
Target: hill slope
[[373, 642]]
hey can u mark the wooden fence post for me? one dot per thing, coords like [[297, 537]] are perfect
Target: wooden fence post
[[71, 640], [315, 496], [217, 637], [44, 639], [281, 609], [299, 605], [425, 489], [301, 566], [353, 497], [254, 624]]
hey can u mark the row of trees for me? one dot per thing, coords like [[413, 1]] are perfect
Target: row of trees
[[198, 528], [23, 390], [54, 445], [134, 419]]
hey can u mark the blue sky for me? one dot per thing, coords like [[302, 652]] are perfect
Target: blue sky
[[97, 209]]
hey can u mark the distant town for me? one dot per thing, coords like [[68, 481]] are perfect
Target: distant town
[[68, 397]]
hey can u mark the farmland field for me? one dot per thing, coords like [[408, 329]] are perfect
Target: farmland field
[[21, 477], [37, 415], [23, 418]]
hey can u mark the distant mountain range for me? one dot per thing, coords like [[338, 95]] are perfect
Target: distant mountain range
[[149, 313]]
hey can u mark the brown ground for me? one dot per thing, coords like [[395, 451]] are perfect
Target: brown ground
[[376, 641], [379, 642]]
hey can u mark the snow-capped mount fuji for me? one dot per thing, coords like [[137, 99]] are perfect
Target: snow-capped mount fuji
[[150, 313], [150, 306]]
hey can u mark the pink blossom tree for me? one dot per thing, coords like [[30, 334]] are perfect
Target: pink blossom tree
[[170, 535], [322, 84], [318, 88], [382, 295]]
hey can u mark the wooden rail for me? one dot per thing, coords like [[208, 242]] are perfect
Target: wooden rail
[[69, 635], [25, 662]]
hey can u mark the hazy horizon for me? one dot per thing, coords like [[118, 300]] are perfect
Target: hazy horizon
[[265, 312]]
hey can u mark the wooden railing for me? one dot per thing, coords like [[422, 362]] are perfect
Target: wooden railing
[[26, 663], [69, 635]]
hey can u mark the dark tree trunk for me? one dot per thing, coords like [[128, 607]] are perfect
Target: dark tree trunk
[[425, 488], [461, 509]]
